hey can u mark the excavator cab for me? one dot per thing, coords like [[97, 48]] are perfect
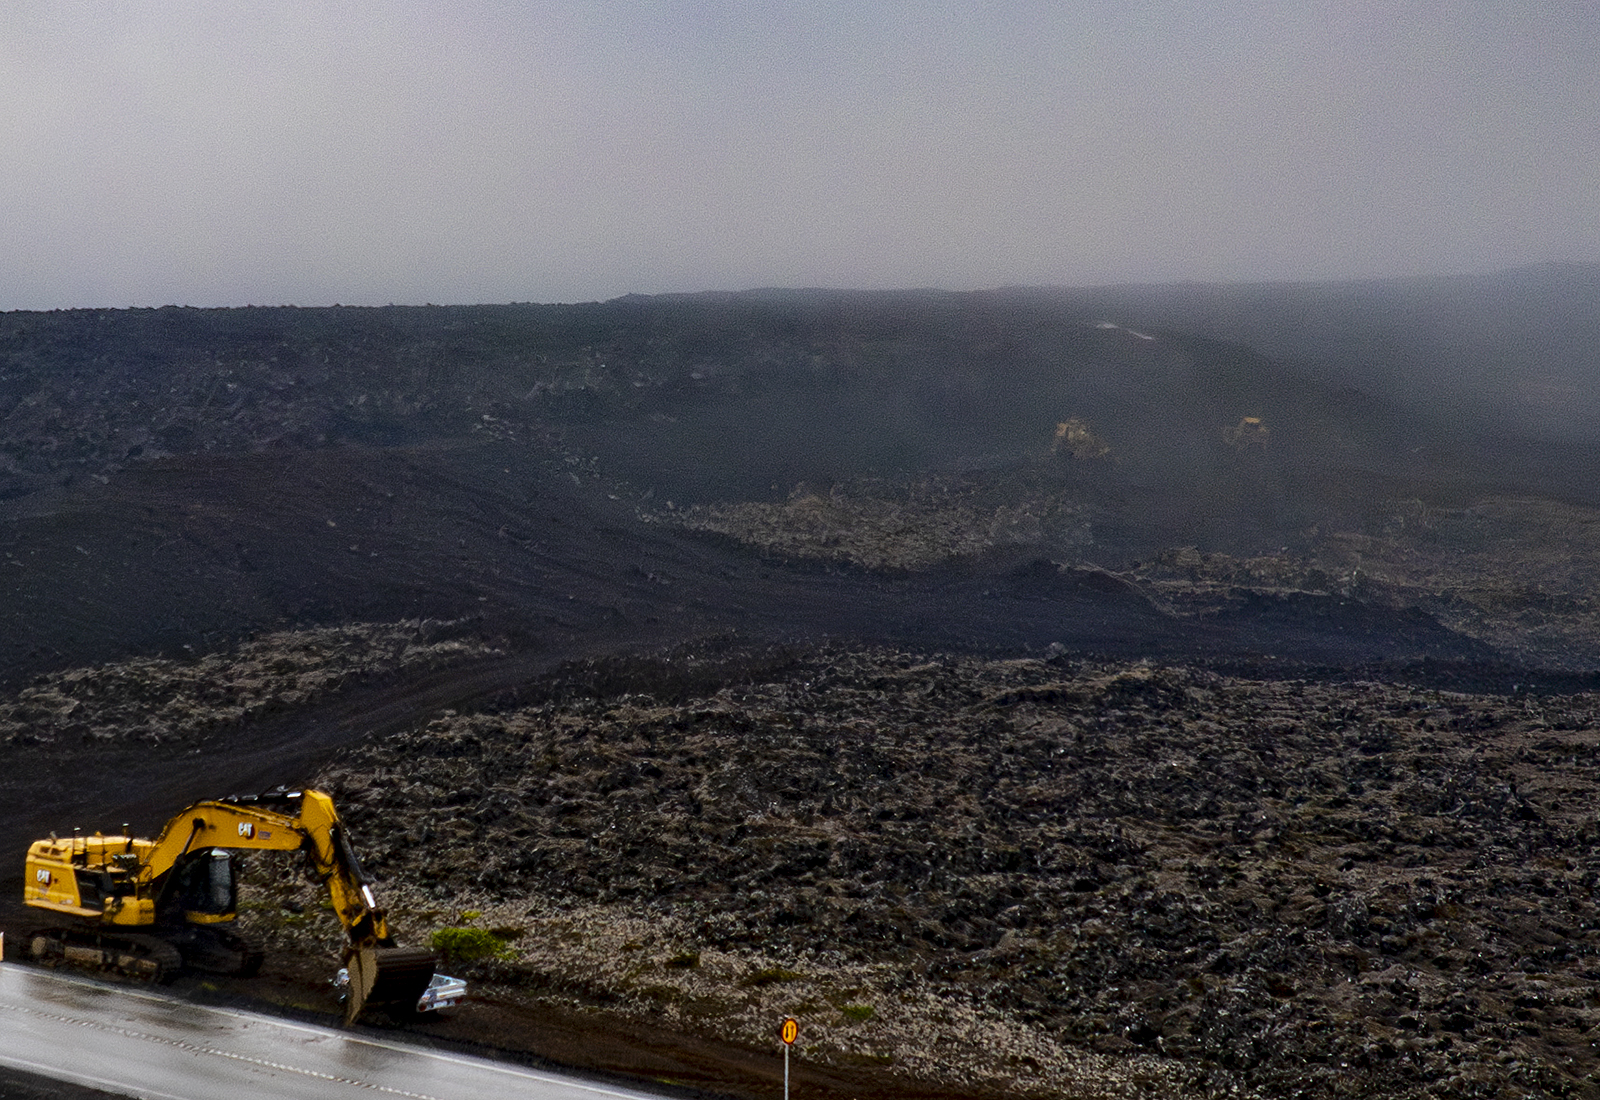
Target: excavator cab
[[207, 888]]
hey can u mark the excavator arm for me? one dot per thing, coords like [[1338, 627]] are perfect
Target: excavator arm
[[306, 820], [378, 971]]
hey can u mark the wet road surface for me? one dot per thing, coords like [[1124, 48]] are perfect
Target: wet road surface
[[137, 1043]]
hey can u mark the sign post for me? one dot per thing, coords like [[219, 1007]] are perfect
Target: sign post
[[788, 1033]]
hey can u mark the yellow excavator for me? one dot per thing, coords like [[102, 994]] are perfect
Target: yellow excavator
[[149, 909]]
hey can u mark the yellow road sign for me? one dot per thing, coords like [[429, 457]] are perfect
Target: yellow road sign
[[791, 1030]]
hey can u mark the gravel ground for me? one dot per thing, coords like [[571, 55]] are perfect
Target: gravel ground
[[965, 875], [1023, 877]]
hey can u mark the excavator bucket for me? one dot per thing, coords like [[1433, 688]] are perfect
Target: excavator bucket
[[387, 976]]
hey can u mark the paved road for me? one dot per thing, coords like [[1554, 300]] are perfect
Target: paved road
[[138, 1043]]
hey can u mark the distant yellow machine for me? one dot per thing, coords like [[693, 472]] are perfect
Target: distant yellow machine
[[1249, 432], [1075, 439], [180, 890]]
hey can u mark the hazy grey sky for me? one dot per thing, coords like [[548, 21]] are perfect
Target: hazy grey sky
[[222, 152]]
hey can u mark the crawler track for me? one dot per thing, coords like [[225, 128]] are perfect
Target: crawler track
[[133, 956]]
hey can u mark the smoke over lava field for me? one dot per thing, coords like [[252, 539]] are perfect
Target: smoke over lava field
[[1037, 693]]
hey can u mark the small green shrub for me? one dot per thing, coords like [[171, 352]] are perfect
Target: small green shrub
[[859, 1013], [467, 944]]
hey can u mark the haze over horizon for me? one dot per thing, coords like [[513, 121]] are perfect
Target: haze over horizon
[[237, 152]]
